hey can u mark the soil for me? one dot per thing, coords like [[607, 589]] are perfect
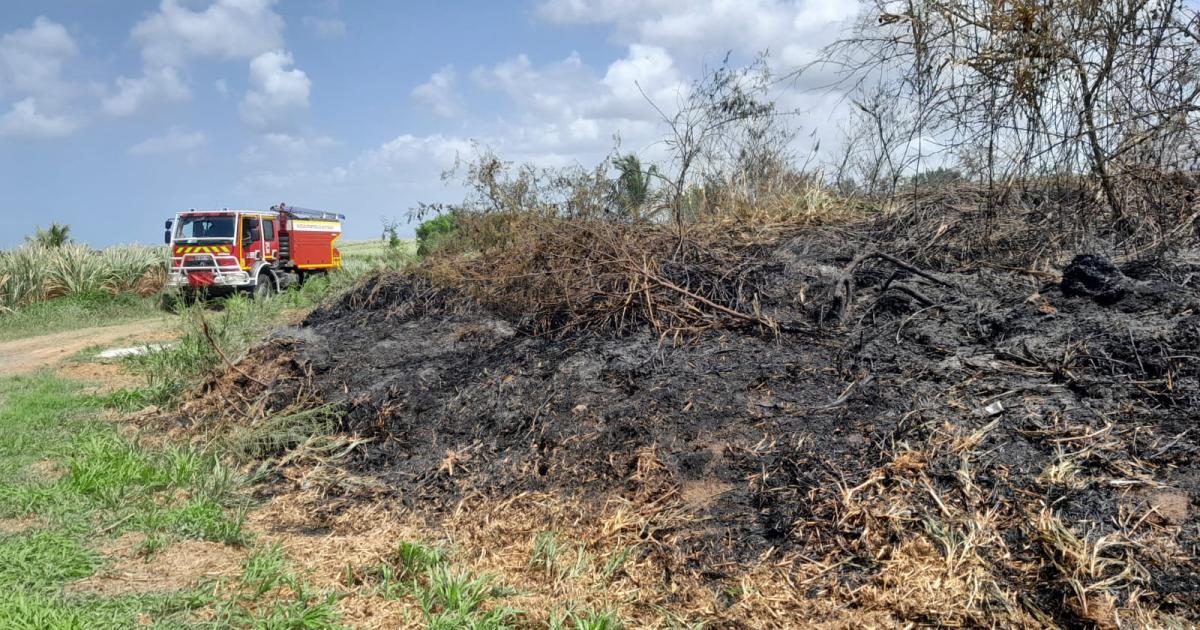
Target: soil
[[15, 526], [906, 413], [34, 353], [105, 377], [45, 471], [179, 566]]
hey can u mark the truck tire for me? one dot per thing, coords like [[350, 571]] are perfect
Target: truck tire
[[264, 285], [170, 302], [174, 301]]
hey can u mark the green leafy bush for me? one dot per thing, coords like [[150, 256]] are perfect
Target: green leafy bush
[[433, 233]]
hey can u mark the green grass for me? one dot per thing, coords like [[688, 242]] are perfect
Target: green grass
[[108, 485], [272, 597], [81, 310], [240, 322], [360, 258], [105, 483], [446, 597], [584, 620], [376, 253]]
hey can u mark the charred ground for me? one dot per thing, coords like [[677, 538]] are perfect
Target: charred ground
[[898, 432]]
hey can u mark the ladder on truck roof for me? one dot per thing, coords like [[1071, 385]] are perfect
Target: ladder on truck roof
[[309, 213]]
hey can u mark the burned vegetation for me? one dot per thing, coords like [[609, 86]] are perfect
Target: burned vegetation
[[881, 420], [757, 395]]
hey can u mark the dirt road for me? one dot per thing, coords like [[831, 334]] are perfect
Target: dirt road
[[27, 355]]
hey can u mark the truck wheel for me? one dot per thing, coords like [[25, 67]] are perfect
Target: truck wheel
[[172, 301], [264, 286]]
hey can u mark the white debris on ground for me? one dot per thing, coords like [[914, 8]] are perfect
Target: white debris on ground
[[117, 353]]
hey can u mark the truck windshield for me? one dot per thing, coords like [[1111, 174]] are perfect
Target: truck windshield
[[205, 228]]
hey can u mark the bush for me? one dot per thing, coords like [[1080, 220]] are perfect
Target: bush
[[936, 177], [435, 232]]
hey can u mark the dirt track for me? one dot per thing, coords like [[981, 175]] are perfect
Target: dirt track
[[34, 353]]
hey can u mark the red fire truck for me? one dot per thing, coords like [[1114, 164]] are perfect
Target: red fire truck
[[223, 251]]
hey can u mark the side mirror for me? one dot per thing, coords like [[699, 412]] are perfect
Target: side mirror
[[167, 231]]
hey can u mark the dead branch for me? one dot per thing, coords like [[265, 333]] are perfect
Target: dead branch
[[843, 293], [221, 353]]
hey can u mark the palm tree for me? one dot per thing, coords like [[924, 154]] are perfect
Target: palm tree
[[56, 235], [633, 188]]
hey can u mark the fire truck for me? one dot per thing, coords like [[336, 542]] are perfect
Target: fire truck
[[225, 251]]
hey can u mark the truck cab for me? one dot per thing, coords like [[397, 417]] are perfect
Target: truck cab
[[261, 252]]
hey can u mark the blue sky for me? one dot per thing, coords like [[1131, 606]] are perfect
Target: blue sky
[[114, 115]]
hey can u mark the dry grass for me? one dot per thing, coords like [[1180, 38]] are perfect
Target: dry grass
[[556, 275], [180, 566], [607, 557], [105, 377], [567, 277], [897, 551], [1032, 226]]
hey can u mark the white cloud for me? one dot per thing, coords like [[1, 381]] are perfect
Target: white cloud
[[599, 12], [278, 90], [673, 42], [568, 111], [221, 87], [404, 162], [270, 182], [31, 59], [559, 88], [646, 72], [709, 27], [439, 94], [176, 140], [31, 68], [399, 155], [156, 85], [563, 113], [24, 120], [697, 34], [325, 28], [293, 150], [226, 29], [385, 181], [300, 145], [289, 165]]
